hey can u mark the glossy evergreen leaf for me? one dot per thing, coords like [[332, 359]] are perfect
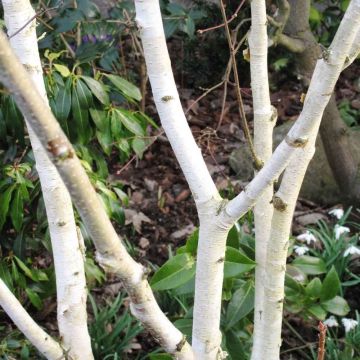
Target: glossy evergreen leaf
[[125, 87], [130, 122], [116, 125], [34, 298], [192, 242], [80, 113], [241, 304], [97, 89], [139, 146], [236, 263], [17, 209], [63, 102], [5, 198], [100, 119], [174, 273]]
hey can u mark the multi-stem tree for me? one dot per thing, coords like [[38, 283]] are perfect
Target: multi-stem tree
[[217, 215]]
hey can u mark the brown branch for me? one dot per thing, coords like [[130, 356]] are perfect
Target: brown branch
[[257, 162], [234, 16], [290, 43], [322, 339]]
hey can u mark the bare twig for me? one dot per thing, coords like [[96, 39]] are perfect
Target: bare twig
[[257, 162], [37, 14], [234, 16]]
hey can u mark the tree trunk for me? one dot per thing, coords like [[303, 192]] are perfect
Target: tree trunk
[[68, 257], [344, 164]]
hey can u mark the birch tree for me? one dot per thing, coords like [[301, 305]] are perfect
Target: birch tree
[[216, 215]]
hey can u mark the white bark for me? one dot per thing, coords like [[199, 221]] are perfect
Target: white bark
[[111, 254], [213, 230], [284, 204], [264, 121], [321, 87], [166, 97], [68, 259], [37, 336]]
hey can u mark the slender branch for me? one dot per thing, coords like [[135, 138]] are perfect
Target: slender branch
[[321, 87], [256, 161], [111, 253], [228, 21], [37, 336]]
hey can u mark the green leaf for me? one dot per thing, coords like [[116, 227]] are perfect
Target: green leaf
[[93, 271], [128, 89], [185, 326], [174, 273], [310, 265], [17, 210], [189, 26], [317, 311], [5, 275], [26, 270], [5, 198], [117, 212], [192, 242], [100, 119], [63, 102], [337, 306], [160, 357], [234, 346], [139, 146], [80, 114], [236, 263], [241, 303], [130, 122], [62, 69], [293, 284], [331, 285], [34, 298], [116, 125], [313, 288], [233, 238], [97, 89]]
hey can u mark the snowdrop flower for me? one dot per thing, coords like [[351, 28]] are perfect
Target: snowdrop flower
[[338, 213], [307, 236], [339, 230], [301, 250], [349, 324], [331, 322], [352, 250]]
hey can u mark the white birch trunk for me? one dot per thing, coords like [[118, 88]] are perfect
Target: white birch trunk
[[37, 336], [284, 204], [264, 121], [213, 229], [68, 258], [111, 253], [321, 87]]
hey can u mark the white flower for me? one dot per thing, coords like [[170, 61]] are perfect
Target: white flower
[[339, 230], [352, 250], [301, 250], [338, 213], [349, 324], [307, 236], [331, 322]]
